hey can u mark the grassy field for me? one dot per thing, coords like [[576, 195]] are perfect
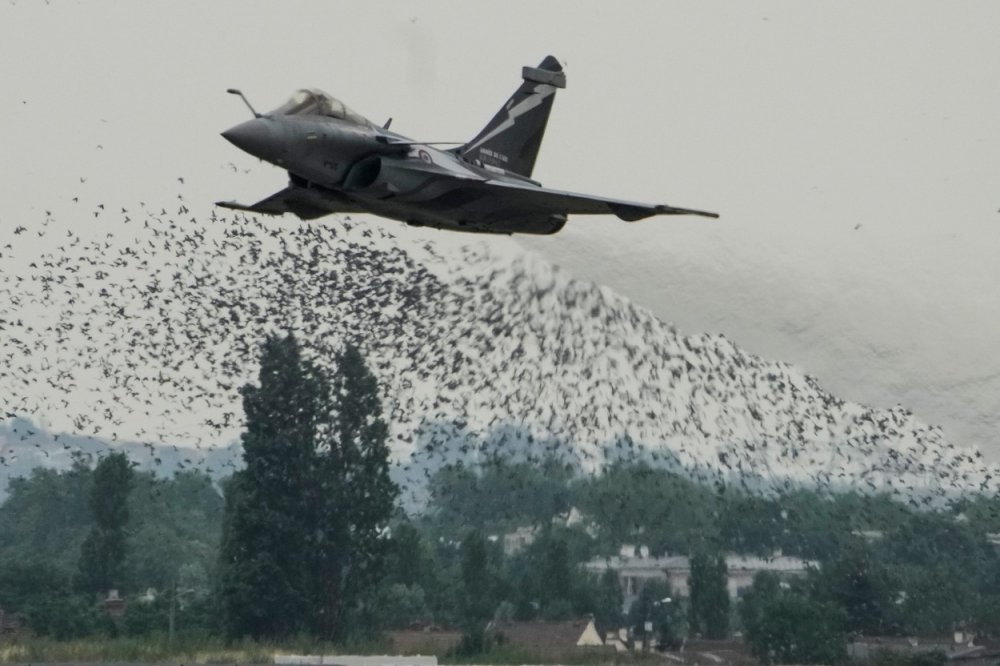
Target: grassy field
[[159, 650], [156, 649]]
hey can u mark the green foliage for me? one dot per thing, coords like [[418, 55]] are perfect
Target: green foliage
[[174, 534], [607, 603], [657, 605], [556, 576], [143, 618], [353, 498], [151, 648], [785, 626], [269, 517], [857, 580], [478, 575], [305, 528], [930, 572], [415, 565], [633, 503], [173, 525], [545, 580], [900, 658], [751, 524], [708, 596], [43, 594], [65, 616], [102, 554], [946, 572], [47, 516], [23, 585], [192, 616], [399, 605], [410, 560], [499, 495]]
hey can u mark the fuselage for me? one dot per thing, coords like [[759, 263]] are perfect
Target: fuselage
[[385, 173], [340, 162]]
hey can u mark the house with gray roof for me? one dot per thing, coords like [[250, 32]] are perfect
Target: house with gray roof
[[636, 568]]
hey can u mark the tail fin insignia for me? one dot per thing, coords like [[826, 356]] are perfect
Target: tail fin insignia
[[512, 138]]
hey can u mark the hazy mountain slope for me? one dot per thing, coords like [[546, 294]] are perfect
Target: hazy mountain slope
[[26, 445]]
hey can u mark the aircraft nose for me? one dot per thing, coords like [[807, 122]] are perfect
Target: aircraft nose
[[256, 137]]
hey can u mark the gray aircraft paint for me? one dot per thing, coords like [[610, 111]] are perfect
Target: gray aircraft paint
[[340, 162]]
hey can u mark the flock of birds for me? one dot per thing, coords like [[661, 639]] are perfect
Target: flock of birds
[[146, 331]]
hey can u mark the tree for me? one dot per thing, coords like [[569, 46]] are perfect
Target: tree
[[46, 516], [398, 605], [268, 517], [709, 596], [634, 502], [43, 596], [942, 586], [102, 555], [608, 602], [785, 626], [477, 598], [657, 606], [499, 495], [557, 580], [305, 528], [174, 528], [353, 498], [861, 584], [477, 580]]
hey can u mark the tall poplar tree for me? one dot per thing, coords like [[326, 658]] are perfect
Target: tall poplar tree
[[265, 584], [355, 495], [306, 521], [103, 552], [709, 597]]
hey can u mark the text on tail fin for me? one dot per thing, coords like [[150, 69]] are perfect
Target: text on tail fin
[[512, 138]]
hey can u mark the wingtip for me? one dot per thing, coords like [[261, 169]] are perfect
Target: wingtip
[[673, 210]]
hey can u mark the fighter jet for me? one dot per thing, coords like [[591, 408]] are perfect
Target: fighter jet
[[340, 162]]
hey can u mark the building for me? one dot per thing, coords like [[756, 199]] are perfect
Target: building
[[426, 640], [959, 649], [522, 537], [549, 640], [113, 604], [353, 660], [516, 541], [742, 569], [636, 568]]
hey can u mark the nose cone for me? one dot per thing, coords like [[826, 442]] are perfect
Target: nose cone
[[256, 137]]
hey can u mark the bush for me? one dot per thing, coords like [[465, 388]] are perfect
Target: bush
[[897, 658]]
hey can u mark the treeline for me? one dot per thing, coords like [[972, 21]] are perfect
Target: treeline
[[54, 551], [305, 541], [884, 568], [887, 566]]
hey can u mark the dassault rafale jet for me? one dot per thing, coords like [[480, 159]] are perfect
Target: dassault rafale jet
[[340, 162]]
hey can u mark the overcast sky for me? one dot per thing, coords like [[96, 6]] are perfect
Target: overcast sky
[[853, 150]]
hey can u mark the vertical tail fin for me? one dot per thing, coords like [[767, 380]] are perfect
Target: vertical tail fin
[[511, 140]]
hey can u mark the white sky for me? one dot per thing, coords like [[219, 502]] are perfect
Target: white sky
[[796, 121]]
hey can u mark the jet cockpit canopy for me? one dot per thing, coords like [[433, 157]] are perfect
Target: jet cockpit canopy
[[314, 102]]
